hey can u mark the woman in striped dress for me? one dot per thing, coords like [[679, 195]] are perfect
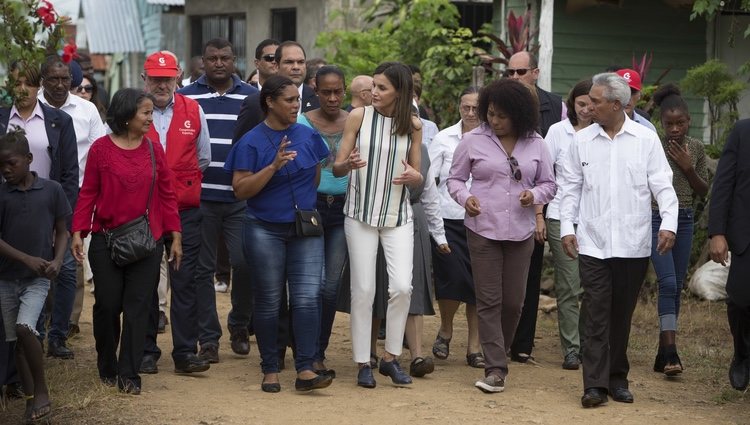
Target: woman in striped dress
[[381, 152]]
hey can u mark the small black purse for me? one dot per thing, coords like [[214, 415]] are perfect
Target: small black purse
[[133, 240]]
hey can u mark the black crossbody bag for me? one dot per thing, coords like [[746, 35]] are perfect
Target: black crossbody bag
[[133, 241], [307, 222]]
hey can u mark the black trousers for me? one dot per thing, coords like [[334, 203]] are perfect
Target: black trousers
[[739, 325], [610, 294], [523, 342], [121, 290], [183, 306]]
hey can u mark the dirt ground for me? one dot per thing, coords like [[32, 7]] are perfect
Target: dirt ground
[[540, 393]]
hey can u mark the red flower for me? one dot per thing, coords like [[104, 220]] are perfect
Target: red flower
[[47, 13], [70, 52]]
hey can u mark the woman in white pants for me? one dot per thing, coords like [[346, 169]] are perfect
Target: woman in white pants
[[380, 151]]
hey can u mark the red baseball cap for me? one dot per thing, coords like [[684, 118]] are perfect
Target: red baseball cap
[[161, 65], [632, 77]]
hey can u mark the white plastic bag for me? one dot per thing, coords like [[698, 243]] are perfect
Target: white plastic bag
[[709, 282]]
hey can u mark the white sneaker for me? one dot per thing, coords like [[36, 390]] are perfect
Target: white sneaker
[[221, 286], [491, 384]]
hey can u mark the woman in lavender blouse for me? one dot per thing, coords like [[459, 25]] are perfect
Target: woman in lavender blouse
[[511, 171]]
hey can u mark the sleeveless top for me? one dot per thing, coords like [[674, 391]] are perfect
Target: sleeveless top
[[370, 196]]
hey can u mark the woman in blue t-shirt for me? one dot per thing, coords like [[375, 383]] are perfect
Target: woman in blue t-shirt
[[276, 168]]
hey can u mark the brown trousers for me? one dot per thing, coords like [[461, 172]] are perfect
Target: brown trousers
[[500, 269], [610, 294]]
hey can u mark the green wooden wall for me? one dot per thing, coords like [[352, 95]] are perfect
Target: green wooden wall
[[588, 41]]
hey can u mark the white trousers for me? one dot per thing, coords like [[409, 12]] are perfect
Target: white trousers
[[398, 246], [163, 287]]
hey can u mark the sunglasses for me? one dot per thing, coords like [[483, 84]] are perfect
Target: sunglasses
[[88, 89], [268, 58], [514, 168], [520, 71]]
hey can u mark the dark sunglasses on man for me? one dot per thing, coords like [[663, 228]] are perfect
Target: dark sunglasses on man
[[268, 58], [520, 71], [87, 88]]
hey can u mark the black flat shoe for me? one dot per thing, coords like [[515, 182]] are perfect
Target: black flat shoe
[[191, 364], [327, 372], [320, 381], [421, 366], [593, 397], [622, 395], [148, 365], [274, 387], [365, 378]]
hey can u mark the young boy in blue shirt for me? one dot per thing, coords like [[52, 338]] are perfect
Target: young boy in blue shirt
[[33, 213]]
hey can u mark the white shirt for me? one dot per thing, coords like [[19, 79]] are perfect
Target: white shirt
[[608, 184], [441, 157], [430, 200], [87, 123], [429, 130], [559, 137]]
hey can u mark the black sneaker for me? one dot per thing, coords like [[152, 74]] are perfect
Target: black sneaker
[[491, 384], [209, 353]]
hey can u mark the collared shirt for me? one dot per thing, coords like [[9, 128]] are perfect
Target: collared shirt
[[162, 120], [640, 119], [429, 131], [36, 134], [87, 124], [608, 184], [441, 157], [430, 200], [481, 156], [559, 137]]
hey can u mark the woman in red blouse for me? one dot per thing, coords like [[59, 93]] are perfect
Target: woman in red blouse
[[115, 190]]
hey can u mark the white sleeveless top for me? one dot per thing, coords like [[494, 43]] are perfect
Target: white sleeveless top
[[370, 195]]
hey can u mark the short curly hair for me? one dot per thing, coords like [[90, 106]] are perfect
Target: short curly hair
[[515, 100]]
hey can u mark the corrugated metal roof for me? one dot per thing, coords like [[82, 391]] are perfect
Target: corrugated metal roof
[[113, 26], [167, 2]]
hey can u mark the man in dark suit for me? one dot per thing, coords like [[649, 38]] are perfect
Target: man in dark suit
[[55, 137], [729, 214], [290, 60]]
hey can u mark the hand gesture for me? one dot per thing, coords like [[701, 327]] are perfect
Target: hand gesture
[[719, 249], [444, 248], [472, 206], [53, 269], [680, 155], [76, 247], [540, 233], [282, 155], [38, 265], [570, 246], [526, 198], [410, 176], [354, 161], [665, 241]]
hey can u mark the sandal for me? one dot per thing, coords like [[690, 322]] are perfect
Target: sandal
[[39, 413], [441, 347], [673, 365], [475, 360], [421, 366]]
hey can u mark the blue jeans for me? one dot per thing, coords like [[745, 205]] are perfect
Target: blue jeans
[[64, 295], [331, 210], [671, 267], [21, 302], [280, 258]]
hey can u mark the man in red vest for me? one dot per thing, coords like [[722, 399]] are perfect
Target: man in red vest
[[179, 124]]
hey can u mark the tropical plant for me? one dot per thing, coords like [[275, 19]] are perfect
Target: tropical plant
[[713, 81], [30, 30], [519, 39]]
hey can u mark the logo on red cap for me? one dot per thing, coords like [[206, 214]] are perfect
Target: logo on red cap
[[632, 77], [161, 65]]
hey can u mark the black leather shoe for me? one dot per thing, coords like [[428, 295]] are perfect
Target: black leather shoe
[[365, 378], [327, 372], [320, 381], [240, 341], [593, 397], [57, 349], [622, 395], [393, 369], [209, 353], [739, 374], [191, 364], [148, 365]]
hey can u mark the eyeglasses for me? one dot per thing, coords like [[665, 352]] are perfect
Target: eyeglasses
[[520, 71], [268, 58], [468, 108], [88, 89], [514, 168]]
